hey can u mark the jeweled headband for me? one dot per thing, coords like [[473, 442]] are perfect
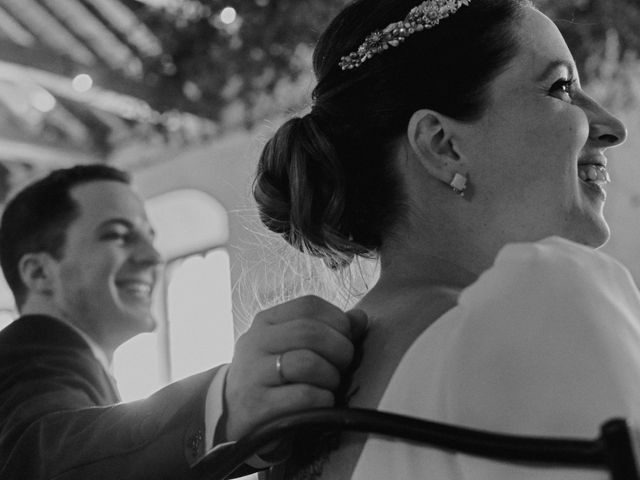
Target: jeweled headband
[[426, 15]]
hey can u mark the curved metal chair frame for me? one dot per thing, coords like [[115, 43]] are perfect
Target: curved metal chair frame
[[611, 451]]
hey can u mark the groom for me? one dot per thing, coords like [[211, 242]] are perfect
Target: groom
[[77, 251]]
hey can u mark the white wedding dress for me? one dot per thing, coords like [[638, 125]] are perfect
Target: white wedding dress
[[546, 342]]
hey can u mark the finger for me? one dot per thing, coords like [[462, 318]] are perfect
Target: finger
[[308, 306], [305, 366], [359, 323], [308, 334], [276, 401], [295, 397]]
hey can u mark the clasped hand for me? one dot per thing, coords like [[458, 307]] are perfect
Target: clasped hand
[[290, 359]]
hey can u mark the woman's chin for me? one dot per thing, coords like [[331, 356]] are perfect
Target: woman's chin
[[595, 236]]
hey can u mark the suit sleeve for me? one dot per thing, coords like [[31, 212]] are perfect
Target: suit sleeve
[[550, 346], [52, 426]]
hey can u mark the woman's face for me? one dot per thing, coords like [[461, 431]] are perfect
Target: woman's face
[[540, 137]]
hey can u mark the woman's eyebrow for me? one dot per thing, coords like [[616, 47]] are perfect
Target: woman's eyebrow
[[553, 65]]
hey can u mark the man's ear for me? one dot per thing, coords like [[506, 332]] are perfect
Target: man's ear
[[432, 140], [36, 272]]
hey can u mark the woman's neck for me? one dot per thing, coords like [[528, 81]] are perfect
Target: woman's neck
[[418, 254], [408, 268]]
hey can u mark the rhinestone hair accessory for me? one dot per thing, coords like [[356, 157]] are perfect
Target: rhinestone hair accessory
[[426, 15]]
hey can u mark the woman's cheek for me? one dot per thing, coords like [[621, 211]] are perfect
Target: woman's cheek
[[578, 126]]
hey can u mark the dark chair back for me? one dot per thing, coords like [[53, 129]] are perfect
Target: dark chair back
[[611, 451]]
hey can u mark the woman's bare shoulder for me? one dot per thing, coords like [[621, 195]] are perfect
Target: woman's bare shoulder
[[395, 324]]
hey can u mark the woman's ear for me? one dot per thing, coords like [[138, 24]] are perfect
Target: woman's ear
[[36, 271], [432, 140]]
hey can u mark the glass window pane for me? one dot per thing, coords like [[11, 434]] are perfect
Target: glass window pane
[[6, 317], [136, 367], [200, 316]]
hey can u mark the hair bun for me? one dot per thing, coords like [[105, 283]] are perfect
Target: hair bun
[[300, 191]]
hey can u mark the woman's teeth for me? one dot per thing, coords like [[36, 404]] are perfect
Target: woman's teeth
[[593, 173]]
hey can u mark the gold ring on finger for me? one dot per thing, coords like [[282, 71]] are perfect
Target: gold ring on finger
[[281, 376]]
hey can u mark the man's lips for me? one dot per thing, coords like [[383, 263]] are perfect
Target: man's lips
[[139, 288]]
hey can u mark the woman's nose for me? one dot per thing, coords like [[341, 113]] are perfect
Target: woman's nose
[[605, 129]]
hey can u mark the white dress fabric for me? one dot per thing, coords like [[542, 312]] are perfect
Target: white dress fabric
[[546, 342]]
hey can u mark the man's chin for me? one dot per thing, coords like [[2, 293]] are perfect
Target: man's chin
[[142, 322], [150, 323]]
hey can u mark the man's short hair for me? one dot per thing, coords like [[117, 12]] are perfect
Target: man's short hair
[[36, 218]]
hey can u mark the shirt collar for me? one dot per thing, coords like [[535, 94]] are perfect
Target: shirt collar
[[97, 351]]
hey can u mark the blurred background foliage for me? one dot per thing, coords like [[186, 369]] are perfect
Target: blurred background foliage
[[241, 72], [604, 37], [174, 73]]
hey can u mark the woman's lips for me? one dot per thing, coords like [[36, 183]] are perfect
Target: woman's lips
[[594, 173]]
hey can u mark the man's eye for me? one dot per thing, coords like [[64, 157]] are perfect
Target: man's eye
[[119, 236]]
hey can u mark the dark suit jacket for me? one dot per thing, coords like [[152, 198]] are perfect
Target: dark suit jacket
[[59, 416]]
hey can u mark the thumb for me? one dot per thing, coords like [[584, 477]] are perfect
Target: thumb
[[359, 322]]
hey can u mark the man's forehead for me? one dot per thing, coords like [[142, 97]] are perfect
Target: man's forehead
[[107, 200]]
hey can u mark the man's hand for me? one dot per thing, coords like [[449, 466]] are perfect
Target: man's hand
[[289, 360]]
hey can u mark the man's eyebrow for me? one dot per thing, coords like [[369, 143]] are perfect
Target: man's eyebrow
[[554, 65], [125, 222]]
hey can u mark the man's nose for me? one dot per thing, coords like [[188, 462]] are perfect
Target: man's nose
[[146, 253]]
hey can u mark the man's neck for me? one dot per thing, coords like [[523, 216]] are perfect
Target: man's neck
[[104, 353], [103, 356]]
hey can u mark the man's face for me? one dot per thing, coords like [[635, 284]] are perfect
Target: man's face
[[104, 280]]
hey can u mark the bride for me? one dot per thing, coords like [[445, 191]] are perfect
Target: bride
[[452, 140]]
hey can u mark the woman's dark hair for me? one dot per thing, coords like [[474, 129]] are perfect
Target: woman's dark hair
[[325, 181]]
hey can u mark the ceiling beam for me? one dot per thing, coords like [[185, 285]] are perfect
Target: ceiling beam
[[42, 59], [43, 155], [73, 33], [125, 25], [47, 29]]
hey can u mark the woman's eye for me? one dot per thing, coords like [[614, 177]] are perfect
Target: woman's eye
[[563, 88]]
